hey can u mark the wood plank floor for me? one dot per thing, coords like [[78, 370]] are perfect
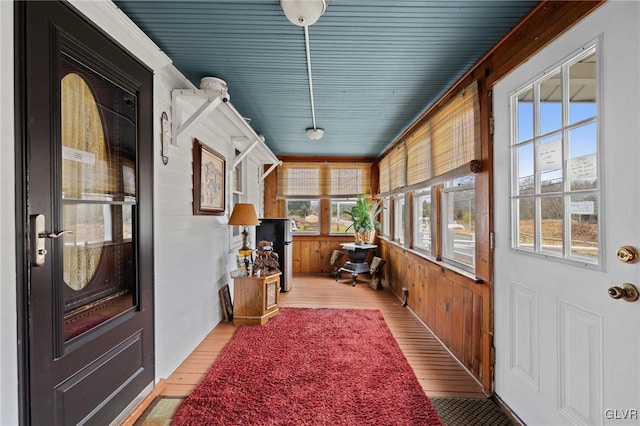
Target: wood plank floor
[[438, 372]]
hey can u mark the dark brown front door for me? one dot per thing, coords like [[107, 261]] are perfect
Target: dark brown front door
[[88, 211]]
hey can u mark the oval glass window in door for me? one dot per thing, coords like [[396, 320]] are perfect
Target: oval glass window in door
[[85, 178], [98, 198]]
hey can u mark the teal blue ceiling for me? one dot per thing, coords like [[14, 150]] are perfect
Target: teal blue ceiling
[[377, 65]]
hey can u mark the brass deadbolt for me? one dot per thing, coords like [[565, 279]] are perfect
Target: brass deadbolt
[[626, 291], [627, 254]]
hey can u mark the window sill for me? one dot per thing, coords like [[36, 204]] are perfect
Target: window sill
[[440, 263], [302, 237]]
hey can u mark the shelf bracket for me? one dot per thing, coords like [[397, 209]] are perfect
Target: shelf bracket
[[269, 170], [202, 103], [244, 153], [210, 99], [209, 105]]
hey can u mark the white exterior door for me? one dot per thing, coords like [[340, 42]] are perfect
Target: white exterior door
[[566, 352]]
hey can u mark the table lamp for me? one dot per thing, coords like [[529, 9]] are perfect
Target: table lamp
[[244, 214]]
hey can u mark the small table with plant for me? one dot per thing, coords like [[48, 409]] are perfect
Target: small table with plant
[[357, 260]]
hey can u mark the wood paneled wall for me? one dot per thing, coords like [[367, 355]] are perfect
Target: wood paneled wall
[[273, 207], [312, 254], [453, 306]]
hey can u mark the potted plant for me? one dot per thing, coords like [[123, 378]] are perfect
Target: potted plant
[[363, 217]]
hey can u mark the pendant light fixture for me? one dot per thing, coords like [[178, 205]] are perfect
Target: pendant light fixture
[[304, 13]]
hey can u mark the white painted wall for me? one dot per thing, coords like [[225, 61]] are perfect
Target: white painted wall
[[191, 250], [8, 342], [193, 254]]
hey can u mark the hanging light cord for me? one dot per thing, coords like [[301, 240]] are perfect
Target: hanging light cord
[[306, 43]]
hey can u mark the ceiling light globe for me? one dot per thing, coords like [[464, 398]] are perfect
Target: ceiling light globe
[[303, 12], [315, 134]]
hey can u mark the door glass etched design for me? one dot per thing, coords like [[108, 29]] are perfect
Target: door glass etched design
[[98, 198]]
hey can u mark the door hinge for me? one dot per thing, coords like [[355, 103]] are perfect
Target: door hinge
[[491, 124], [492, 241]]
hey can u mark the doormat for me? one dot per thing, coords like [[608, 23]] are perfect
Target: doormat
[[470, 411], [160, 412], [453, 411]]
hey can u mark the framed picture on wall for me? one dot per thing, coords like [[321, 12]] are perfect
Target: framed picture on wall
[[208, 180]]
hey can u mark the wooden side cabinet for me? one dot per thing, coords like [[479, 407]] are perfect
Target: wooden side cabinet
[[255, 299]]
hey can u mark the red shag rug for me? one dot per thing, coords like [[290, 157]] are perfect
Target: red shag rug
[[311, 367]]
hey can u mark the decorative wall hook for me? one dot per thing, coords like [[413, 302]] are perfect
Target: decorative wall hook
[[166, 137]]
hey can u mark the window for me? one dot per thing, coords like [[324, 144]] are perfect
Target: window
[[422, 220], [304, 184], [386, 217], [306, 214], [237, 196], [446, 144], [309, 180], [340, 220], [459, 222], [555, 184], [399, 218]]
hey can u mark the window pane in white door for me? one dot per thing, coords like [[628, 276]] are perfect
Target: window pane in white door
[[549, 163], [525, 169], [582, 167], [525, 115], [584, 225], [582, 89], [551, 224], [525, 208], [550, 104]]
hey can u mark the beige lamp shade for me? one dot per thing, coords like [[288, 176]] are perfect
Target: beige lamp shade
[[244, 214]]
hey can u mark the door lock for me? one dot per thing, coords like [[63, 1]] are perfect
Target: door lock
[[627, 254], [37, 235], [626, 291], [36, 228]]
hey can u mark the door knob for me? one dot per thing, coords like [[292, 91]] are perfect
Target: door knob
[[626, 291], [627, 254]]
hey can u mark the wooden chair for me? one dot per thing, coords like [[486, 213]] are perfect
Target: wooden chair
[[375, 270], [336, 256]]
